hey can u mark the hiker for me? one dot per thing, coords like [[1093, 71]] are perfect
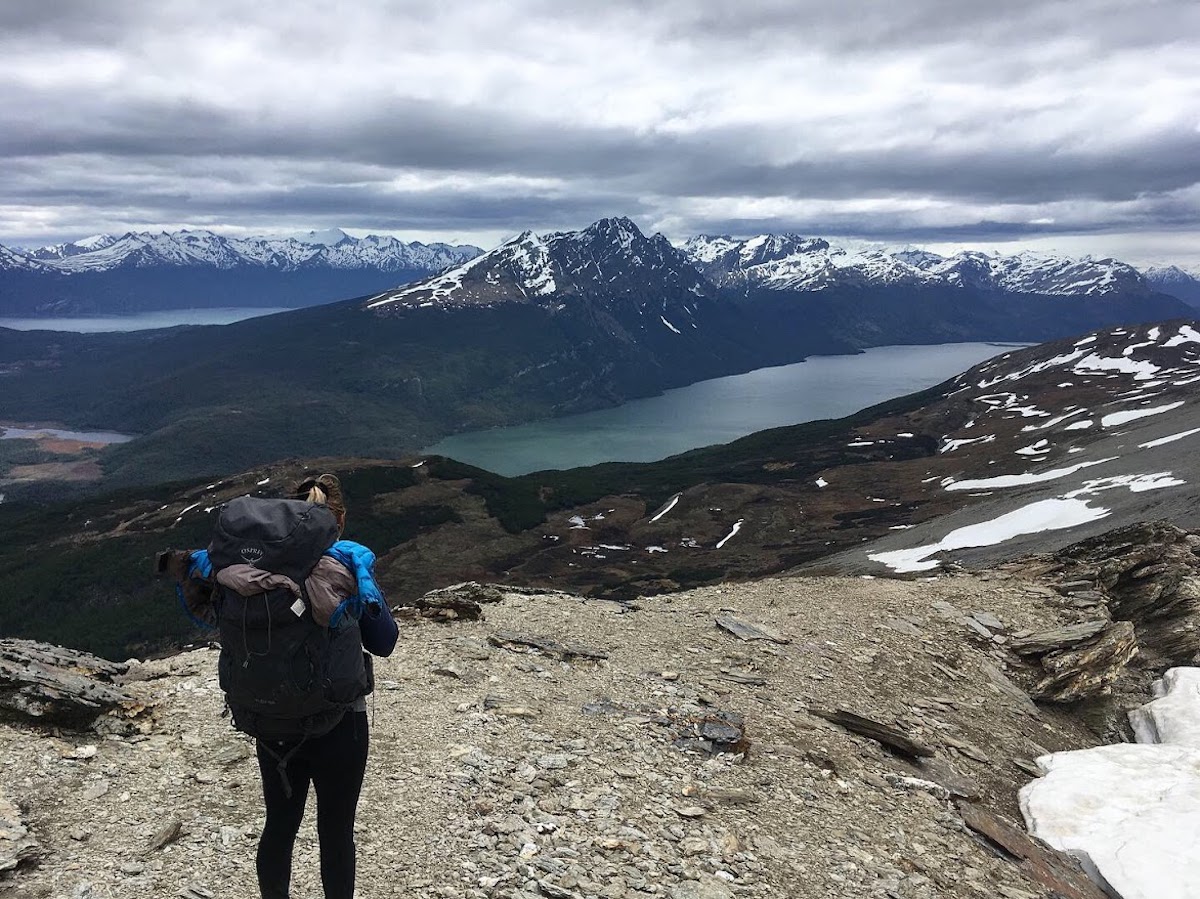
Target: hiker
[[284, 590]]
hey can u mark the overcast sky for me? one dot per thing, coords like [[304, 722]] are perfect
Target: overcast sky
[[1073, 125]]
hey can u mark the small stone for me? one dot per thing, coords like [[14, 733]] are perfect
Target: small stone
[[709, 888], [516, 711], [988, 620], [95, 790], [691, 811], [904, 627], [977, 627], [132, 868], [196, 891]]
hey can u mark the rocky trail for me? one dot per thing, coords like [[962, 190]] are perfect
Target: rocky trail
[[705, 745]]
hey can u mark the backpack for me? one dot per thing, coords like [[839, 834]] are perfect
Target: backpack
[[286, 678]]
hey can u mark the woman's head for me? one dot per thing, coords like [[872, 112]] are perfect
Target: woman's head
[[325, 490]]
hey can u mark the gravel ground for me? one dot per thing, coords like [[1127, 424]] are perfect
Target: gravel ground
[[496, 773]]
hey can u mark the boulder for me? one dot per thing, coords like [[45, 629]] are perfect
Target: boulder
[[60, 687], [1088, 669], [1150, 574]]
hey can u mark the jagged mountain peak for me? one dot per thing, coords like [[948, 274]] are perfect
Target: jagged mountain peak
[[606, 261], [1175, 281], [795, 262], [330, 237]]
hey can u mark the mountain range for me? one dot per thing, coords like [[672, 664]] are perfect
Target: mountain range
[[791, 262], [142, 271], [107, 274], [538, 327]]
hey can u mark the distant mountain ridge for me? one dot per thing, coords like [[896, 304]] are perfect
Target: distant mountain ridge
[[539, 327], [143, 271], [783, 291], [336, 249], [794, 262]]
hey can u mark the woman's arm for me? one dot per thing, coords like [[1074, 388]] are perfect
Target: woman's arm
[[192, 574], [379, 630]]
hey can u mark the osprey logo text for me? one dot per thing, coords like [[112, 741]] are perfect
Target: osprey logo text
[[252, 554]]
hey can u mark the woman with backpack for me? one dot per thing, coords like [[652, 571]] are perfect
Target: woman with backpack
[[285, 591]]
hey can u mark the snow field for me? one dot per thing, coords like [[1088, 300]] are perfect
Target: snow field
[[1055, 514], [1131, 811]]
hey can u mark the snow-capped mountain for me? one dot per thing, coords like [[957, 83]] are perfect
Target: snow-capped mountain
[[63, 250], [792, 262], [334, 249], [610, 264], [1175, 281], [12, 260], [141, 271]]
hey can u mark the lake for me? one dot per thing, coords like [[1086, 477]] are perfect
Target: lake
[[142, 321], [32, 433], [717, 411]]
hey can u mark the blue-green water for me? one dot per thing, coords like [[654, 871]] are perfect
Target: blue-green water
[[140, 321], [717, 411]]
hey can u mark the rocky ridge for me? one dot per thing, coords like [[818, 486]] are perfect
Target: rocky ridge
[[540, 745]]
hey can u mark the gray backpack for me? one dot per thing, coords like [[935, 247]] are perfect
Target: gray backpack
[[286, 678]]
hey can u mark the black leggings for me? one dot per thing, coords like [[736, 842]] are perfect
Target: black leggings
[[334, 764]]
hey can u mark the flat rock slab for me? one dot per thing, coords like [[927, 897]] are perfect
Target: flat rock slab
[[60, 687], [1008, 688], [1058, 638], [1041, 864], [744, 630], [889, 736], [564, 652], [942, 772]]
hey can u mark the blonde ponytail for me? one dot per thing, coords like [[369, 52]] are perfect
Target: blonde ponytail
[[324, 490]]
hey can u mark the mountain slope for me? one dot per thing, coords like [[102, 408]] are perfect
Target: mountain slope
[[868, 294], [766, 503]]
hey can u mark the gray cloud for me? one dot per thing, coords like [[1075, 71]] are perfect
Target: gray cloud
[[928, 120]]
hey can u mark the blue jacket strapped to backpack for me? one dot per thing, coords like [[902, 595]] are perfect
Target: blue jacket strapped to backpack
[[379, 631]]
